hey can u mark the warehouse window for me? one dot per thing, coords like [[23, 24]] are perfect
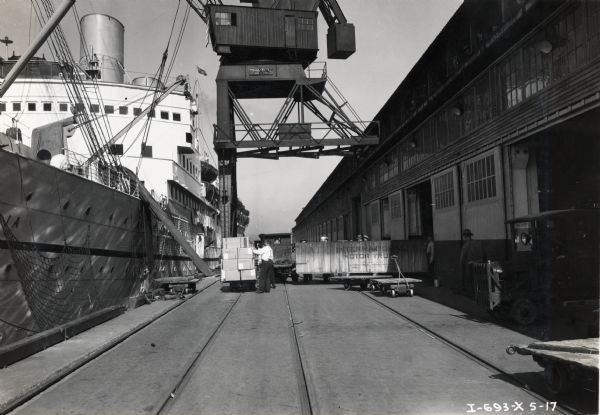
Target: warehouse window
[[374, 213], [2, 106], [47, 106], [123, 110], [569, 53], [481, 179], [372, 179], [164, 115], [225, 19], [511, 81], [16, 106], [137, 111], [63, 107], [31, 106], [593, 19], [95, 108], [396, 205], [536, 70], [109, 109], [443, 189], [176, 116], [383, 173]]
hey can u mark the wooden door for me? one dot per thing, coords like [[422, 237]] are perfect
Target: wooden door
[[290, 32]]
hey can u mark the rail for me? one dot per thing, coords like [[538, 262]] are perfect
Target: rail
[[308, 133], [317, 70], [561, 409], [99, 173]]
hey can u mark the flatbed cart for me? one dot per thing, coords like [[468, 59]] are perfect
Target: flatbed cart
[[401, 286], [177, 285], [361, 280], [565, 363]]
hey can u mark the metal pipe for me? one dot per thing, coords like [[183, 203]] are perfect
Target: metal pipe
[[51, 24]]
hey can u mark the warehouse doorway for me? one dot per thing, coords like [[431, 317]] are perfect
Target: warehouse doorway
[[419, 211], [568, 172]]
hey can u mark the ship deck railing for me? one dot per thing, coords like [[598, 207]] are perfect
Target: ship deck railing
[[100, 173]]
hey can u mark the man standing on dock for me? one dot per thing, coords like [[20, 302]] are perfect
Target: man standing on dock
[[430, 252], [471, 252], [266, 276]]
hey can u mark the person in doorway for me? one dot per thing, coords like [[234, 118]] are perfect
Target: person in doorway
[[430, 253], [266, 276], [471, 252]]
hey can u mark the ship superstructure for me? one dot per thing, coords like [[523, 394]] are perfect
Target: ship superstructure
[[75, 236]]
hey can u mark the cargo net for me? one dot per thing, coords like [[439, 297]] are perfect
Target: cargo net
[[60, 287], [168, 248]]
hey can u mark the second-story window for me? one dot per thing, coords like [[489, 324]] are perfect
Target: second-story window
[[16, 106], [176, 117], [47, 106], [31, 106], [123, 110], [95, 108], [109, 109], [63, 107], [164, 115]]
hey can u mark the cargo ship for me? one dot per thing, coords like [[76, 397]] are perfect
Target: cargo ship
[[75, 236]]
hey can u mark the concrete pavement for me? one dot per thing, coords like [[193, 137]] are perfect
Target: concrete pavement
[[358, 358], [24, 379], [362, 359]]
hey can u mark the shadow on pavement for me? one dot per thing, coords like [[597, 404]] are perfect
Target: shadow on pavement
[[583, 399]]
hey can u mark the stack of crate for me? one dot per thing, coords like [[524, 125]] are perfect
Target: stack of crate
[[237, 263]]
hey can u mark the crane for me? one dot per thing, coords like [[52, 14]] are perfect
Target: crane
[[266, 48]]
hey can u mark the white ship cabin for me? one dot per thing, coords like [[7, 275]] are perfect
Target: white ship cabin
[[163, 147]]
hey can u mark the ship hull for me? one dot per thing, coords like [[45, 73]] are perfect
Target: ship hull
[[70, 246]]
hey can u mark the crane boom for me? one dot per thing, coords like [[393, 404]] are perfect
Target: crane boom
[[199, 7], [332, 12]]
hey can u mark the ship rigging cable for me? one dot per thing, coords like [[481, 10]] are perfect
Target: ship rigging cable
[[92, 130], [161, 75]]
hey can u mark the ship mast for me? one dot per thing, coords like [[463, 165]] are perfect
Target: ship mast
[[54, 21]]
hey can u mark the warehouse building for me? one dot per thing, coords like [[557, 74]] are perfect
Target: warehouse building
[[498, 119]]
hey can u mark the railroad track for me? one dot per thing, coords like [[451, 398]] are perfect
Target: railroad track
[[304, 391], [15, 405], [179, 385], [560, 408]]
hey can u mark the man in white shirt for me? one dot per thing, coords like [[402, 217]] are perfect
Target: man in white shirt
[[266, 278]]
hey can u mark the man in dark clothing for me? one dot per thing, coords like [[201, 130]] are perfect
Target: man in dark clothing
[[471, 251], [430, 252]]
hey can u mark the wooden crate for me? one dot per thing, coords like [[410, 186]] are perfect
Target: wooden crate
[[360, 257]]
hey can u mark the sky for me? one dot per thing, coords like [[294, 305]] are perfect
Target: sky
[[391, 35]]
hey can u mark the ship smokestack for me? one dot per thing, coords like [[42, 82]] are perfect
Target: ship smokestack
[[102, 47]]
